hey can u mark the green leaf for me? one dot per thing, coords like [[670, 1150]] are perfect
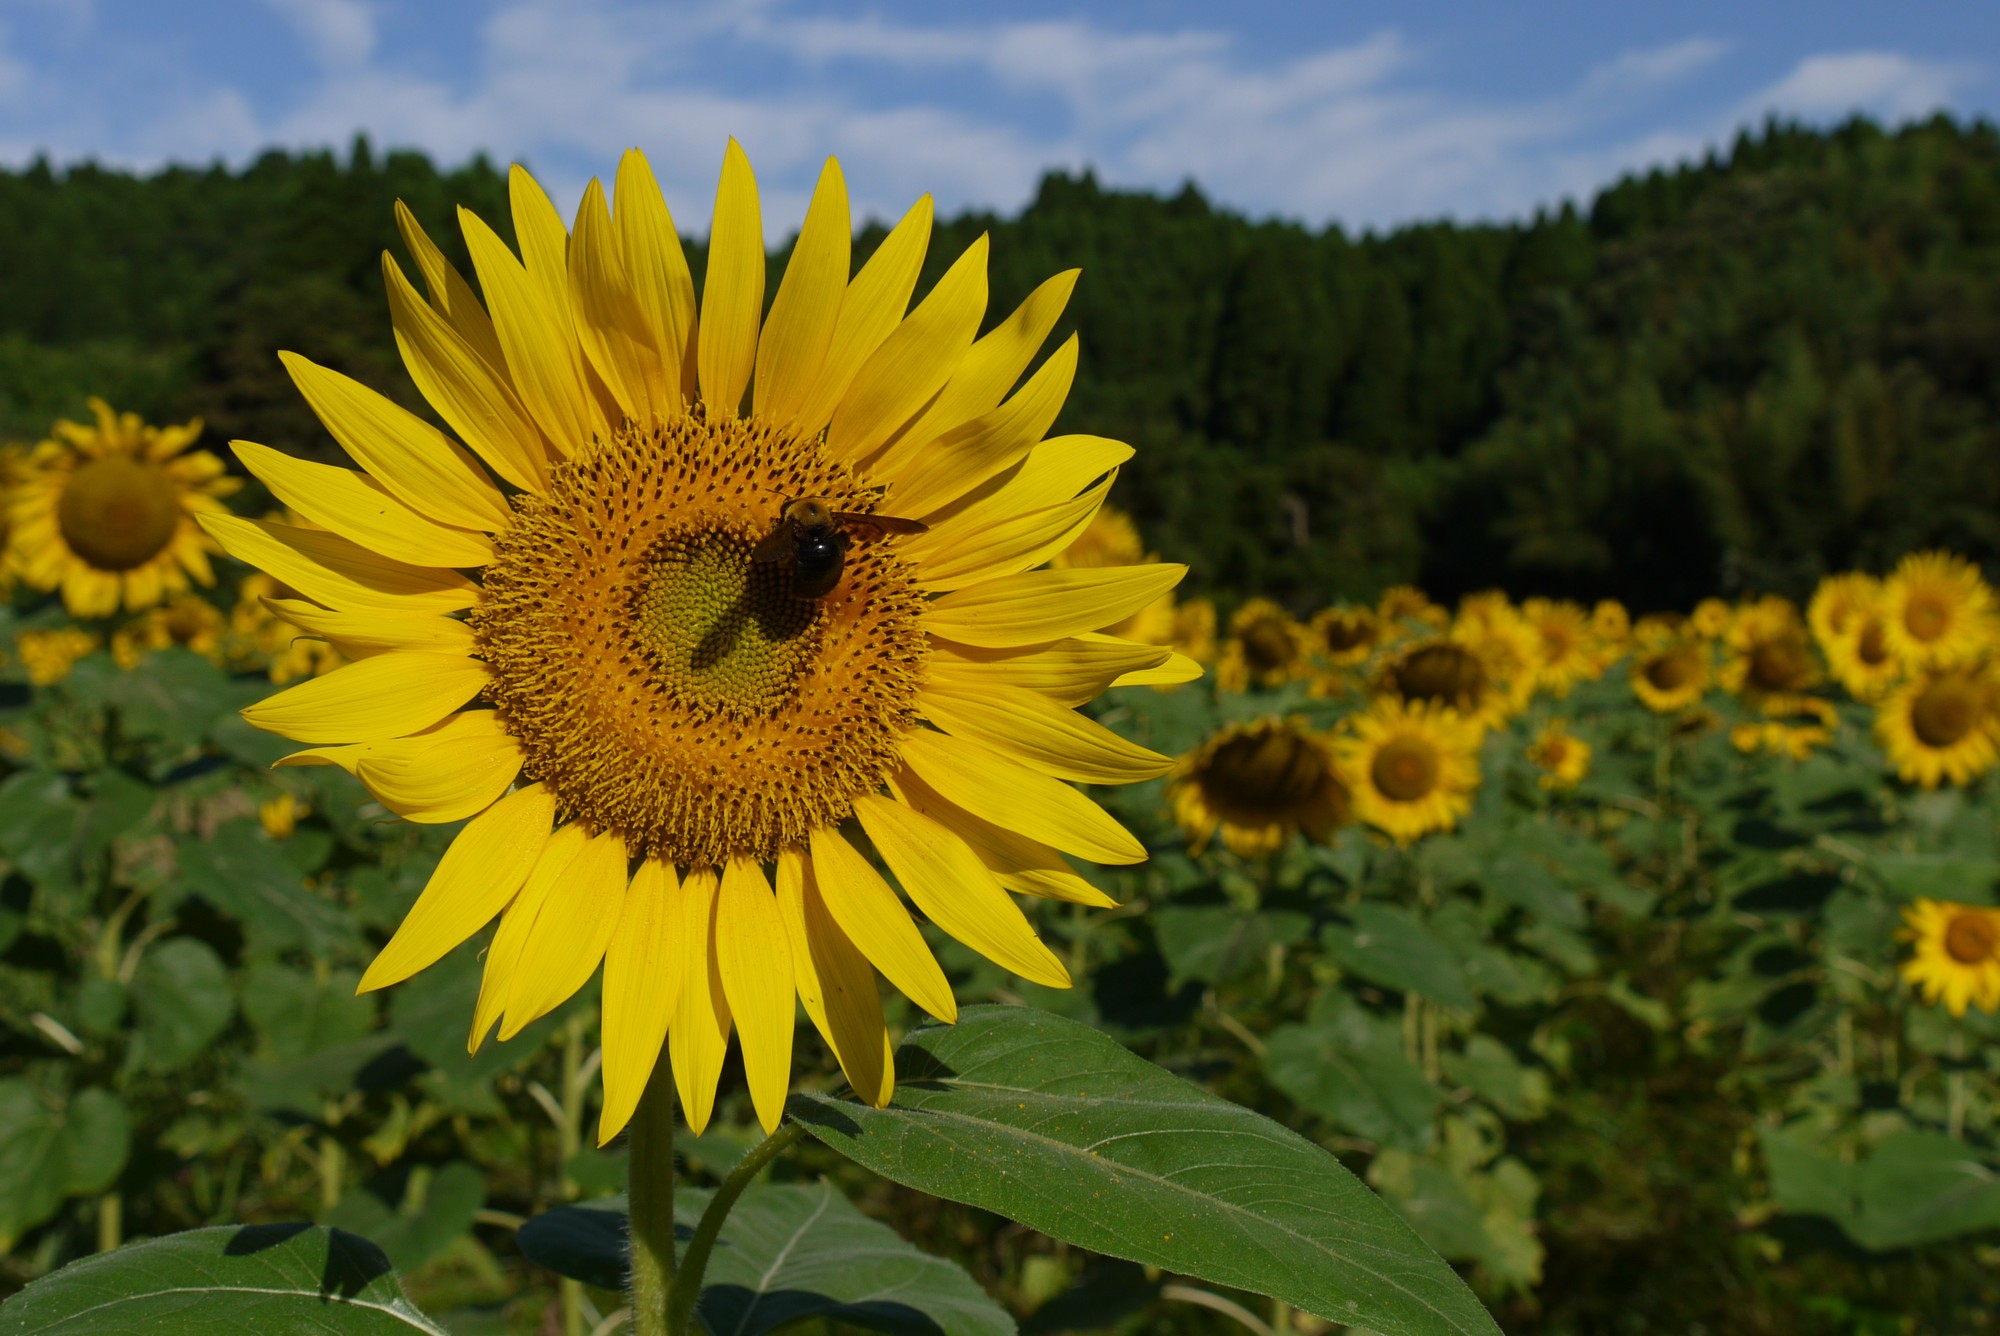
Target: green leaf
[[242, 872], [1391, 947], [269, 1279], [588, 1241], [1526, 884], [296, 1013], [181, 1000], [39, 821], [1212, 943], [1057, 1126], [49, 1151], [417, 1231], [174, 700], [1490, 1070], [1911, 1188], [1351, 1068]]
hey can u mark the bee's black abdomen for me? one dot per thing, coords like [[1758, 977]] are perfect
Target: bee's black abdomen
[[817, 559]]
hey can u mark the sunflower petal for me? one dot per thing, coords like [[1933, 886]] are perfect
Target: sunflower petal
[[503, 954], [873, 304], [448, 781], [924, 481], [955, 891], [359, 635], [1055, 470], [1010, 794], [657, 269], [451, 296], [570, 933], [732, 293], [836, 983], [1177, 668], [535, 333], [698, 1033], [995, 361], [543, 240], [1032, 729], [340, 573], [756, 969], [807, 307], [386, 696], [876, 922], [914, 362], [1035, 607], [1020, 864], [641, 985], [420, 465], [1015, 544], [1069, 672], [356, 506], [478, 875], [614, 332]]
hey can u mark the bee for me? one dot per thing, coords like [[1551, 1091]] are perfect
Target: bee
[[813, 536]]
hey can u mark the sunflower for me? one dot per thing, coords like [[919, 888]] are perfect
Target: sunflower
[[1259, 783], [1711, 618], [108, 513], [47, 656], [1939, 611], [1769, 658], [1561, 756], [280, 816], [1670, 672], [1859, 655], [259, 640], [187, 620], [1941, 725], [1837, 603], [1610, 623], [1347, 636], [670, 745], [1789, 739], [1445, 674], [1413, 767], [1955, 955], [1194, 630], [1266, 647], [1566, 649], [1407, 603]]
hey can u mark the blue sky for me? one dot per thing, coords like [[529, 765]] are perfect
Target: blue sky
[[1326, 112]]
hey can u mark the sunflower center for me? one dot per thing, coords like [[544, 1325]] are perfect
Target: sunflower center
[[1781, 664], [1346, 633], [1443, 674], [1673, 670], [1970, 937], [1266, 645], [118, 513], [1944, 712], [1926, 616], [668, 687], [1872, 647], [1264, 772], [1405, 769]]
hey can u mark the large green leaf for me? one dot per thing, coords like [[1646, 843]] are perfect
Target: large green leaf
[[51, 1149], [1351, 1068], [174, 701], [182, 1001], [39, 823], [275, 1280], [242, 872], [415, 1231], [1061, 1128], [1391, 947], [1213, 943], [1911, 1188]]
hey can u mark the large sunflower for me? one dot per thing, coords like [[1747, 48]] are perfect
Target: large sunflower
[[1939, 611], [107, 512], [1941, 726], [669, 748], [1413, 767], [1259, 783], [1955, 954]]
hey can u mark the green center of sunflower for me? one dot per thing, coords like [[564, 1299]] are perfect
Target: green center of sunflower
[[1945, 711], [118, 513], [667, 687], [1970, 936], [1926, 616], [1443, 674], [1405, 769]]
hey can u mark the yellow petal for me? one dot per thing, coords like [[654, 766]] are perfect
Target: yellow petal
[[1032, 729], [424, 468], [448, 781], [1054, 471], [756, 967], [995, 361], [478, 875], [836, 983], [1035, 607], [451, 728], [803, 314], [542, 359], [732, 293], [503, 955], [925, 481], [698, 1034], [873, 304], [1069, 672], [570, 933], [340, 573], [474, 398], [914, 362], [1015, 544], [358, 507], [1010, 794], [641, 985], [358, 635], [544, 243], [657, 269], [1177, 668], [386, 696], [876, 922], [1023, 865], [952, 887], [614, 332], [451, 296]]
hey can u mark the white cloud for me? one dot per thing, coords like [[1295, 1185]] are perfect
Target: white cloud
[[1883, 83], [340, 33]]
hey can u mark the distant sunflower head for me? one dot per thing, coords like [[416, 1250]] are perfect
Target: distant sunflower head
[[1561, 756], [1407, 603], [757, 582], [1954, 954], [1837, 603], [1414, 767], [1610, 622], [107, 512], [1939, 611], [1194, 630], [1671, 673], [187, 620], [1567, 649], [1711, 617], [1859, 655], [1942, 726], [1259, 784], [1444, 674], [1769, 657], [1347, 636], [48, 656], [1266, 648]]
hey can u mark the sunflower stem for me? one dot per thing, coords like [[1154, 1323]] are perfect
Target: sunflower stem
[[650, 1202], [680, 1316]]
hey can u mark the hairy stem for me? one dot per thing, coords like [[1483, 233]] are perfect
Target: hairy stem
[[681, 1309], [650, 1198]]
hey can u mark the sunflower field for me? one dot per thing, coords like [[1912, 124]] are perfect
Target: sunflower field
[[1398, 968]]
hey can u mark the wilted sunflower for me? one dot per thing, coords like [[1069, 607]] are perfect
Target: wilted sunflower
[[1939, 611], [1568, 653], [1259, 783], [1266, 647], [1561, 756], [107, 512], [1669, 672], [187, 620], [1413, 767], [1446, 674], [1955, 955], [1769, 658], [1837, 603], [643, 720], [1347, 636], [1941, 725]]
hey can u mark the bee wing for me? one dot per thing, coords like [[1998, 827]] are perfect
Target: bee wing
[[884, 523], [775, 545]]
